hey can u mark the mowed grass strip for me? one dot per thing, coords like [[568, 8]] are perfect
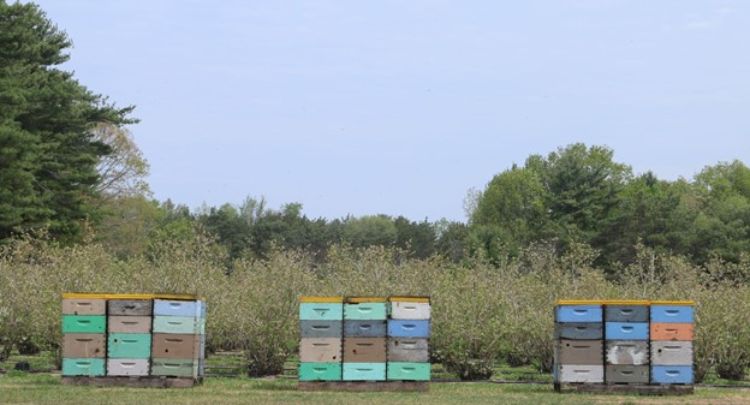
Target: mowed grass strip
[[18, 388]]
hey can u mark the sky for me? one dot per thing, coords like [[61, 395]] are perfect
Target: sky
[[401, 107]]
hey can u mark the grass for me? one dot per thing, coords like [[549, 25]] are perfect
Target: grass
[[45, 388], [41, 387]]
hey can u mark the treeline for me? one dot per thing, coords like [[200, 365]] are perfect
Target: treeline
[[69, 169], [575, 196], [581, 195], [253, 230]]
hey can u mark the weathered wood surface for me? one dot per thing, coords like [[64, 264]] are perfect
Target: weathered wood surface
[[138, 382], [628, 352], [579, 352], [579, 330], [642, 389], [364, 350], [627, 373], [130, 307], [408, 350], [409, 386]]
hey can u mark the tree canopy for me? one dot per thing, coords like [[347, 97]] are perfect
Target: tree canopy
[[579, 194], [48, 157]]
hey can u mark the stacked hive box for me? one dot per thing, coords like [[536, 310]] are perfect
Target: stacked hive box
[[578, 343], [133, 335], [626, 330], [84, 323], [647, 345], [179, 338], [671, 342], [408, 339], [321, 325], [364, 339], [129, 337]]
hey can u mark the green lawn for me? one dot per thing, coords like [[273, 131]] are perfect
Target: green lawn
[[43, 388]]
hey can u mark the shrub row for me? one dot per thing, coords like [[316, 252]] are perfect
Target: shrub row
[[482, 313]]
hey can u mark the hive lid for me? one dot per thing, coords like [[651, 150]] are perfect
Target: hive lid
[[362, 300], [131, 296], [409, 298], [602, 302], [622, 302], [321, 299], [677, 302]]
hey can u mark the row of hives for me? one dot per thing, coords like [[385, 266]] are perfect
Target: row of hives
[[624, 342], [133, 335], [364, 339]]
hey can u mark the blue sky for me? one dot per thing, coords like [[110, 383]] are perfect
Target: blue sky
[[399, 107]]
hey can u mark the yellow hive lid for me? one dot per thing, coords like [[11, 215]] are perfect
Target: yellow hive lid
[[321, 299], [408, 298], [602, 302], [362, 300], [129, 296], [668, 302]]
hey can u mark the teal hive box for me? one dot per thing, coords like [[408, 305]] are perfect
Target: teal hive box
[[87, 367], [408, 371], [364, 371], [367, 311], [324, 311], [84, 324], [320, 371], [129, 345]]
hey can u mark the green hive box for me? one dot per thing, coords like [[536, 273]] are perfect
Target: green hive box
[[129, 345], [84, 324], [408, 371], [87, 367], [320, 371]]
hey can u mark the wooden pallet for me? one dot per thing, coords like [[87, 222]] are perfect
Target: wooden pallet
[[132, 381], [402, 386], [629, 388]]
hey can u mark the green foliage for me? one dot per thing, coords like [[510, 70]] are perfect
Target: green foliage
[[127, 224], [252, 230], [581, 195], [482, 312], [48, 157], [370, 230], [511, 212]]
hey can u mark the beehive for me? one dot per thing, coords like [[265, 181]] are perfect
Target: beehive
[[626, 331], [364, 349], [321, 326], [408, 339], [133, 335], [636, 343], [364, 339], [578, 347], [84, 328], [672, 342]]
